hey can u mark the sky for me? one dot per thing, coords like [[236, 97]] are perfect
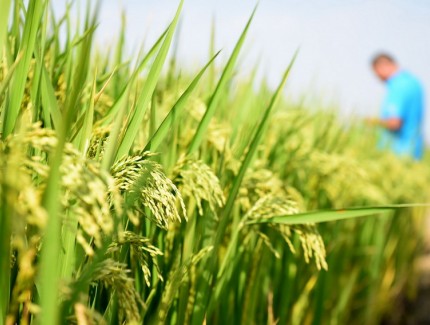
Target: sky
[[337, 39]]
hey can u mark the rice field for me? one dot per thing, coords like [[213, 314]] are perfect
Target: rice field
[[135, 193]]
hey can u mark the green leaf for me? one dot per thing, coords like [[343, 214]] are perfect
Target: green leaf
[[335, 215], [122, 96], [211, 78], [88, 122], [78, 83], [50, 268], [219, 90], [32, 21], [119, 109], [162, 130], [49, 101], [4, 18], [132, 128]]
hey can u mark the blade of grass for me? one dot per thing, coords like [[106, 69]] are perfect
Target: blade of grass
[[4, 18], [68, 258], [49, 101], [153, 113], [162, 130], [51, 244], [212, 70], [134, 125], [173, 57], [49, 265], [119, 51], [32, 21], [118, 110], [217, 94], [15, 28], [78, 83], [39, 52], [121, 98], [87, 128], [335, 215]]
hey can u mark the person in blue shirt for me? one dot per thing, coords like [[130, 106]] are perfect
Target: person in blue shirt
[[402, 112]]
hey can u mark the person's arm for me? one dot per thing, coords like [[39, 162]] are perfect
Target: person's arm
[[393, 110], [392, 124]]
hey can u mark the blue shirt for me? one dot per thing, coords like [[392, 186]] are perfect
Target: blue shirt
[[404, 100]]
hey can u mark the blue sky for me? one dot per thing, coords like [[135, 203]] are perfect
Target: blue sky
[[336, 38]]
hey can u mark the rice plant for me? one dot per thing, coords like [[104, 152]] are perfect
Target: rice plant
[[132, 194]]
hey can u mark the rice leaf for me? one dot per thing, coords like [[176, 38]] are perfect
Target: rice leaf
[[162, 130], [120, 99], [4, 18], [49, 101], [16, 90], [134, 125], [219, 90], [335, 215]]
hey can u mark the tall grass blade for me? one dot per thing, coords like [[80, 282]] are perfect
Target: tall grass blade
[[134, 125], [171, 117], [119, 109], [16, 93], [50, 268], [335, 215], [4, 18], [87, 127], [123, 94], [212, 70], [50, 106], [49, 275], [79, 78], [119, 52], [219, 90]]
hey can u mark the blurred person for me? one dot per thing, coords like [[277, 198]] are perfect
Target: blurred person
[[402, 112]]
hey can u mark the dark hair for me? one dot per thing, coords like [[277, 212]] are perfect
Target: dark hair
[[382, 57]]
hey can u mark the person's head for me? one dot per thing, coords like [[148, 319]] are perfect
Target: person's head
[[384, 66]]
